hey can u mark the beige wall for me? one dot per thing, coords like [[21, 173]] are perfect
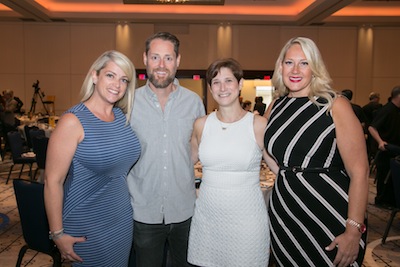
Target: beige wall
[[60, 54]]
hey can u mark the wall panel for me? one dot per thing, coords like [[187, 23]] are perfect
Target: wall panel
[[255, 47], [59, 54], [288, 33], [12, 48], [87, 42], [139, 34], [385, 61], [47, 48], [194, 47], [338, 47]]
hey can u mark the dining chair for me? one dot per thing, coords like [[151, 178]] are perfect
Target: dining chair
[[27, 131], [2, 150], [17, 149], [39, 144], [35, 227], [395, 171], [49, 103], [34, 133]]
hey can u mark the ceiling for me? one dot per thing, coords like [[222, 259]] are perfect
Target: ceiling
[[263, 12]]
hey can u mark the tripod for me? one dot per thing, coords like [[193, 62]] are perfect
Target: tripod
[[37, 93]]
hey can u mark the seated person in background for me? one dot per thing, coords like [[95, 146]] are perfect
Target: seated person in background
[[372, 107], [356, 108], [19, 105], [385, 129], [8, 110], [246, 105], [370, 111], [259, 106]]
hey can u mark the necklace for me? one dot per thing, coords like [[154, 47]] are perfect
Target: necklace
[[226, 125]]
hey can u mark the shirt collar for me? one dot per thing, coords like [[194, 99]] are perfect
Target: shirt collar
[[174, 93]]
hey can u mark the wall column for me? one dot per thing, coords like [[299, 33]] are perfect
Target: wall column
[[122, 37], [364, 63], [224, 41]]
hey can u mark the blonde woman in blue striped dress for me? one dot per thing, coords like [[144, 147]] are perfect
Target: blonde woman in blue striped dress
[[89, 155]]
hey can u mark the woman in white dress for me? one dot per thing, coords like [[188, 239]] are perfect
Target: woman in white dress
[[230, 222]]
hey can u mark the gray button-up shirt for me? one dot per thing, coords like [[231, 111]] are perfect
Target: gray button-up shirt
[[162, 182]]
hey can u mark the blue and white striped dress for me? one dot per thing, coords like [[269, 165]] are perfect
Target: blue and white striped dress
[[96, 197], [307, 209]]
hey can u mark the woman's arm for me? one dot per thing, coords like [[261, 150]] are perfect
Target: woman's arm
[[61, 149], [272, 165], [260, 124], [352, 149], [196, 137]]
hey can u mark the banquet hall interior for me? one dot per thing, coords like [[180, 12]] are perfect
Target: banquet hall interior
[[54, 42]]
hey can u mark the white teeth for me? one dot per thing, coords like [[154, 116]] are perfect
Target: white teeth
[[113, 92], [223, 95], [295, 78]]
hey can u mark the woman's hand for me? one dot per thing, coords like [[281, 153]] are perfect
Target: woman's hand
[[347, 247], [65, 245]]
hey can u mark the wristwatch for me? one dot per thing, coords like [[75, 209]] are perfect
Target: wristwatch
[[360, 226]]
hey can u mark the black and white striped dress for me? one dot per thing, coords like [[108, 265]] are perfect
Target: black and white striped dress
[[307, 209]]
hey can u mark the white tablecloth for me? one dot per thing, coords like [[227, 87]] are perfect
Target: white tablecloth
[[47, 130]]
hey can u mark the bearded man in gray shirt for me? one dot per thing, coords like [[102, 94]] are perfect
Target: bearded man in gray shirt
[[162, 183]]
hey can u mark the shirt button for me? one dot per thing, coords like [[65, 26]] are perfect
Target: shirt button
[[165, 151], [165, 167]]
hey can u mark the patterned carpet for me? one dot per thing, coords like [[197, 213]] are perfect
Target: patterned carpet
[[11, 239]]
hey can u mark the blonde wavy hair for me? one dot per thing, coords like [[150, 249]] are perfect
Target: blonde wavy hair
[[126, 102], [320, 85]]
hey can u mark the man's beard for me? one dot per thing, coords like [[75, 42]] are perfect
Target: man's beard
[[160, 83]]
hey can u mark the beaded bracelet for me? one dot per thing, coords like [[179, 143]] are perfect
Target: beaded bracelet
[[56, 234]]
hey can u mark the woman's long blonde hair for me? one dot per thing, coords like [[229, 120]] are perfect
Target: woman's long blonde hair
[[125, 103], [320, 85]]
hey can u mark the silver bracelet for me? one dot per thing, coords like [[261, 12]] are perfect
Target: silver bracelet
[[56, 234]]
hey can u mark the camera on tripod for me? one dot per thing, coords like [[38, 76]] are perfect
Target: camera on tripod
[[36, 94], [36, 84], [37, 88]]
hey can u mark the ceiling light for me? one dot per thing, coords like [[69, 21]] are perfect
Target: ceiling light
[[176, 2], [172, 1]]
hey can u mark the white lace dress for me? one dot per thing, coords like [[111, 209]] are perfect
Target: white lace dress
[[230, 223]]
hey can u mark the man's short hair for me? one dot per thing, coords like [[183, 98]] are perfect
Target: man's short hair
[[395, 91], [373, 96], [348, 94]]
